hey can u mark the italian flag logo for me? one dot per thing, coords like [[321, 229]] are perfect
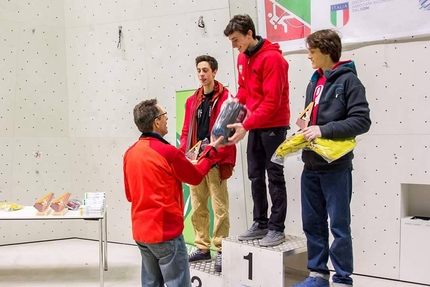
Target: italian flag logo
[[425, 4], [339, 14]]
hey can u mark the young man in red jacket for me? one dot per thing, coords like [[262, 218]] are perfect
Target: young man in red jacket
[[263, 87], [201, 111], [153, 172]]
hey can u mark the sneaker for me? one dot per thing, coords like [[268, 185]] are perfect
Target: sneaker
[[199, 255], [218, 262], [313, 282], [273, 238], [255, 232]]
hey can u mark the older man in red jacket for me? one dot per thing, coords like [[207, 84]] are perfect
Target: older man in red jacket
[[153, 173]]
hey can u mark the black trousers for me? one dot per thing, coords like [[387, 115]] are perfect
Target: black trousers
[[262, 143]]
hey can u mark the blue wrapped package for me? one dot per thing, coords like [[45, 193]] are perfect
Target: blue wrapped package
[[232, 112]]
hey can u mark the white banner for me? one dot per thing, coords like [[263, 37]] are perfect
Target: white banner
[[289, 22]]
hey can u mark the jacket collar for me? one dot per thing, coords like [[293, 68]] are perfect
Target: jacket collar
[[319, 73], [256, 48], [154, 135], [218, 90]]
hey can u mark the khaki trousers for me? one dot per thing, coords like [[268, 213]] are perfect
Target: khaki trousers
[[217, 190]]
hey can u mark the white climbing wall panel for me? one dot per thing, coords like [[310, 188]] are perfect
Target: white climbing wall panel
[[156, 58], [67, 92], [34, 126]]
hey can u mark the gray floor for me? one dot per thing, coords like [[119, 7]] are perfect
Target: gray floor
[[74, 263]]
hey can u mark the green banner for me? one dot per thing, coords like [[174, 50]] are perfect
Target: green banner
[[301, 8]]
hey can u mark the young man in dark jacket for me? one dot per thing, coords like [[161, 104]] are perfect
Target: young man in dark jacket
[[201, 111], [340, 111], [264, 89]]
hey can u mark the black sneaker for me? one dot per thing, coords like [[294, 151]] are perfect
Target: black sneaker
[[218, 262], [198, 255]]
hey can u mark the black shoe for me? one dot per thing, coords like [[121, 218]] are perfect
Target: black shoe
[[198, 255], [218, 262]]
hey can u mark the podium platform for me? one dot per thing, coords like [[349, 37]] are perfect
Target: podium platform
[[247, 264], [203, 274]]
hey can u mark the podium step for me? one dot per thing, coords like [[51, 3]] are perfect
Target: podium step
[[292, 245], [246, 263], [203, 274]]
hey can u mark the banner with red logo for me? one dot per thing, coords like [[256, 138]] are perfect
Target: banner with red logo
[[289, 22]]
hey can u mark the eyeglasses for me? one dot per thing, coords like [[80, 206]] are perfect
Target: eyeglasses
[[158, 117]]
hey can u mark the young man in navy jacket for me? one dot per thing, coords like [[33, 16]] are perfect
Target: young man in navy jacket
[[340, 111]]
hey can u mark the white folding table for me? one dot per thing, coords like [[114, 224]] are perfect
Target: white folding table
[[29, 213]]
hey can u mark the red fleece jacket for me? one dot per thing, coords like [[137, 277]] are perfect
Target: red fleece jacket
[[153, 172], [264, 88], [226, 154]]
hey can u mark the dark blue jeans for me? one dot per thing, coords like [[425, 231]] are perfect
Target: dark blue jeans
[[165, 263], [328, 194]]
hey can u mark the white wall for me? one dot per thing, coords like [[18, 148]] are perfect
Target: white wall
[[68, 92], [159, 45], [33, 112]]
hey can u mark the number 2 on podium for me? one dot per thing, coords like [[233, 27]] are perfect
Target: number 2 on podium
[[249, 258]]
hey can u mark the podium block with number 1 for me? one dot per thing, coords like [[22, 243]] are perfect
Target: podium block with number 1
[[247, 264]]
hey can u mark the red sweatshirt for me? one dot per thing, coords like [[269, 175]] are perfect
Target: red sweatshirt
[[264, 88]]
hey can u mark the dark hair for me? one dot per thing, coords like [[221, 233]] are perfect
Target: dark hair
[[211, 60], [328, 41], [241, 23], [144, 115]]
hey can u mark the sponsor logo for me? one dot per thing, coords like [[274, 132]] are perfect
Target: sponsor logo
[[287, 19]]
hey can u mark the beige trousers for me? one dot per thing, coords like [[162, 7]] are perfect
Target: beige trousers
[[211, 186]]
